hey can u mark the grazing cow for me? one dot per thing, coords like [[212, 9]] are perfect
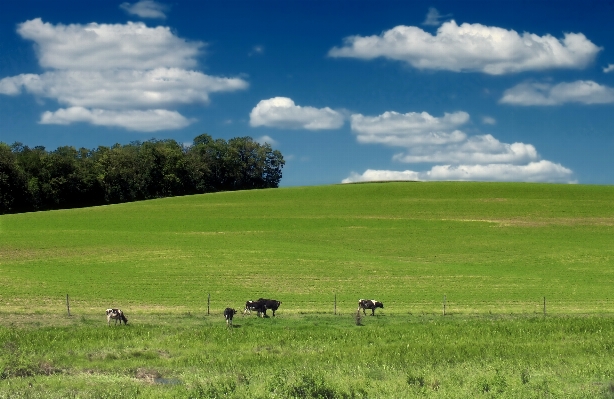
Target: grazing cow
[[228, 314], [116, 314], [270, 304], [258, 306], [369, 304]]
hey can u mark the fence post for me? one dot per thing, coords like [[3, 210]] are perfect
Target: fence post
[[208, 303], [444, 305], [544, 306], [67, 305], [335, 303]]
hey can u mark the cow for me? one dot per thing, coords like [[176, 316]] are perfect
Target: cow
[[116, 314], [369, 304], [270, 304], [258, 306], [228, 314]]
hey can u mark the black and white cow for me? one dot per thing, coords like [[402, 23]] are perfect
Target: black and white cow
[[258, 306], [270, 304], [228, 314], [116, 314], [369, 304]]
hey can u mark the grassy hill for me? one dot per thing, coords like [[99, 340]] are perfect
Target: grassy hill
[[486, 246], [495, 250]]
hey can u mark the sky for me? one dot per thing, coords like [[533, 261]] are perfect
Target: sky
[[348, 91]]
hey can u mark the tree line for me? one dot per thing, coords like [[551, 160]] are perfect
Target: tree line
[[33, 179]]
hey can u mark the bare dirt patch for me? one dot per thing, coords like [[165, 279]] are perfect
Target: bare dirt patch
[[545, 222]]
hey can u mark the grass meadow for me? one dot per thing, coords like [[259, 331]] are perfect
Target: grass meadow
[[494, 250]]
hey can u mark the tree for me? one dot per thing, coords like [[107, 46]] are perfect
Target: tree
[[13, 182], [35, 179]]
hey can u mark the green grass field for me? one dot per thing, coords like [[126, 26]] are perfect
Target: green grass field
[[495, 250]]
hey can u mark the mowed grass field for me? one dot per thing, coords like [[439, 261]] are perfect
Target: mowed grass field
[[494, 250]]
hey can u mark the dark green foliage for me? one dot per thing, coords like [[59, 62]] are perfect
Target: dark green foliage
[[302, 386], [34, 179], [13, 181]]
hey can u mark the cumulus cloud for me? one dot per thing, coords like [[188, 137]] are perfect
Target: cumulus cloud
[[540, 171], [482, 149], [145, 9], [281, 112], [609, 68], [143, 121], [122, 88], [106, 46], [439, 140], [581, 91], [98, 68], [472, 48], [395, 129], [436, 139]]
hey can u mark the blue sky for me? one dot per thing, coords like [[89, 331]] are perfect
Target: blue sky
[[347, 90]]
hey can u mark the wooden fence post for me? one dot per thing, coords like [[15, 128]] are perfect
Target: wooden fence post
[[335, 303], [67, 305], [544, 306], [444, 305]]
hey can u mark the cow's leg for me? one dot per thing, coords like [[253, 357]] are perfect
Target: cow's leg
[[373, 312]]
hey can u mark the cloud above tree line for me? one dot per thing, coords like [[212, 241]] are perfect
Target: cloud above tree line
[[282, 112], [116, 75], [424, 139]]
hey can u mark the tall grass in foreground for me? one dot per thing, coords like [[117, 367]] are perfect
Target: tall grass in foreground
[[314, 357]]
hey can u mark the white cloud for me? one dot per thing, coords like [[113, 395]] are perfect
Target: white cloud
[[382, 175], [122, 88], [116, 75], [266, 139], [489, 120], [541, 171], [395, 129], [483, 149], [609, 68], [146, 9], [472, 48], [106, 46], [433, 17], [143, 121], [281, 112], [438, 140], [581, 91]]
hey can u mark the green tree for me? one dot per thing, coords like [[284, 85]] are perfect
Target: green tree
[[13, 183]]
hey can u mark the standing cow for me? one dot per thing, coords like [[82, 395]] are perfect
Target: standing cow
[[369, 304], [258, 306], [116, 314], [261, 306], [228, 315], [271, 304]]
